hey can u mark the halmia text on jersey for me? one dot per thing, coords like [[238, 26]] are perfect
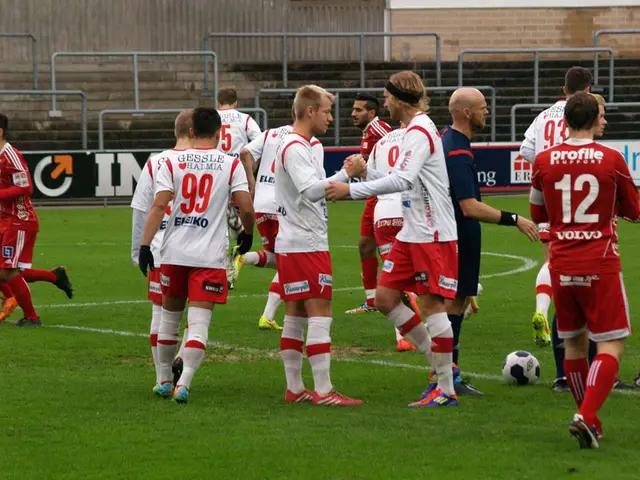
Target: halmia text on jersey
[[197, 161]]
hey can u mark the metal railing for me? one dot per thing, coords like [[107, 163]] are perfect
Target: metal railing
[[83, 114], [361, 35], [519, 106], [34, 52], [596, 43], [536, 61], [338, 91], [134, 56], [265, 121]]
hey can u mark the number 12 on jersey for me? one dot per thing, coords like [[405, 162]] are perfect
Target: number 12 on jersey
[[567, 187]]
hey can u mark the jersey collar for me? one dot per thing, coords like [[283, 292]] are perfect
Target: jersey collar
[[578, 142], [369, 124]]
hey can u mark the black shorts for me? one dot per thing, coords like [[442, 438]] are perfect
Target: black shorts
[[469, 247]]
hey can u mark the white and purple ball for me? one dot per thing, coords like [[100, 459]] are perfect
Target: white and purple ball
[[521, 368]]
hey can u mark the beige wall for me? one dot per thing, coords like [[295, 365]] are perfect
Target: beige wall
[[513, 28]]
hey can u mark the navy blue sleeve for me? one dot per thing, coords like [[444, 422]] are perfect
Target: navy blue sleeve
[[461, 176]]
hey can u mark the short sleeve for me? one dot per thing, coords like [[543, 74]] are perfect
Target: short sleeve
[[417, 145], [461, 176], [299, 163], [165, 179], [253, 130], [144, 194], [238, 178], [256, 146]]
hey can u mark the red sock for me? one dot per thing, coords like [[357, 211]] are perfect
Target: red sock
[[6, 290], [577, 371], [22, 295], [602, 376], [370, 278], [32, 275]]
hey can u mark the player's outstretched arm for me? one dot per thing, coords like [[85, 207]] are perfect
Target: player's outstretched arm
[[472, 208]]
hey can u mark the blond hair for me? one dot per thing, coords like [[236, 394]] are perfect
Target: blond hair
[[599, 98], [309, 96], [182, 124], [409, 82]]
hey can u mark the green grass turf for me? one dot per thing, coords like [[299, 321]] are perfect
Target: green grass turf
[[78, 404]]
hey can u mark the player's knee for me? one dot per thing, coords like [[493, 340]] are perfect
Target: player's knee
[[615, 348], [367, 247], [385, 302]]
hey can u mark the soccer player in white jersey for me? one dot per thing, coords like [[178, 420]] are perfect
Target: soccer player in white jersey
[[423, 257], [548, 130], [238, 129], [195, 245], [387, 214], [263, 149], [302, 251], [141, 204]]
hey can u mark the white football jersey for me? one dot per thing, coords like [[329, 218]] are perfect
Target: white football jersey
[[548, 129], [302, 223], [145, 194], [383, 158], [426, 208], [238, 129], [201, 181], [264, 149]]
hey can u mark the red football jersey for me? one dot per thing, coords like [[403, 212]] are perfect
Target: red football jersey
[[371, 134], [15, 190], [580, 187]]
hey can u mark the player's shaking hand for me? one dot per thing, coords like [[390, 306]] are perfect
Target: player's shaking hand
[[145, 259], [529, 228]]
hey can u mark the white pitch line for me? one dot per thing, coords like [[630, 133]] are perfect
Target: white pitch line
[[257, 351], [528, 264]]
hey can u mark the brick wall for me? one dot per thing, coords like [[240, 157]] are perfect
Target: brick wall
[[512, 28]]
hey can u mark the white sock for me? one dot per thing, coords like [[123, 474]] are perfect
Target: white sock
[[319, 353], [398, 335], [273, 300], [156, 312], [291, 342], [185, 337], [371, 294], [199, 320], [543, 290], [167, 343], [441, 333], [411, 328], [251, 258]]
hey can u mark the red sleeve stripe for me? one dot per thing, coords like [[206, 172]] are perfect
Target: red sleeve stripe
[[15, 160], [246, 125], [378, 129], [233, 169], [284, 150], [170, 167], [315, 142], [460, 152], [418, 128], [150, 168]]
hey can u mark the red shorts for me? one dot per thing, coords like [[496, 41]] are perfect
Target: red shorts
[[196, 284], [155, 290], [17, 247], [305, 275], [422, 268], [366, 221], [267, 224], [385, 231], [596, 303], [543, 231]]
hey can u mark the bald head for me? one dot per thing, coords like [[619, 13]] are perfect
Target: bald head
[[183, 123], [468, 109]]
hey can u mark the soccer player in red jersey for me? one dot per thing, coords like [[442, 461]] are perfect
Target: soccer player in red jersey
[[365, 116], [580, 188]]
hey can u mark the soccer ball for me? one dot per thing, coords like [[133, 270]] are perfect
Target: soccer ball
[[233, 218], [521, 368]]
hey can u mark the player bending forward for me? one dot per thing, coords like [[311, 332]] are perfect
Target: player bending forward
[[195, 245], [302, 251], [580, 187], [423, 257], [141, 203]]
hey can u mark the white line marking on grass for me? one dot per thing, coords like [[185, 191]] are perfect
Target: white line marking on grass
[[528, 264], [257, 351]]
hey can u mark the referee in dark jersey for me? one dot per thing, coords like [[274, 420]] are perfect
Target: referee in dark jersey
[[468, 109]]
